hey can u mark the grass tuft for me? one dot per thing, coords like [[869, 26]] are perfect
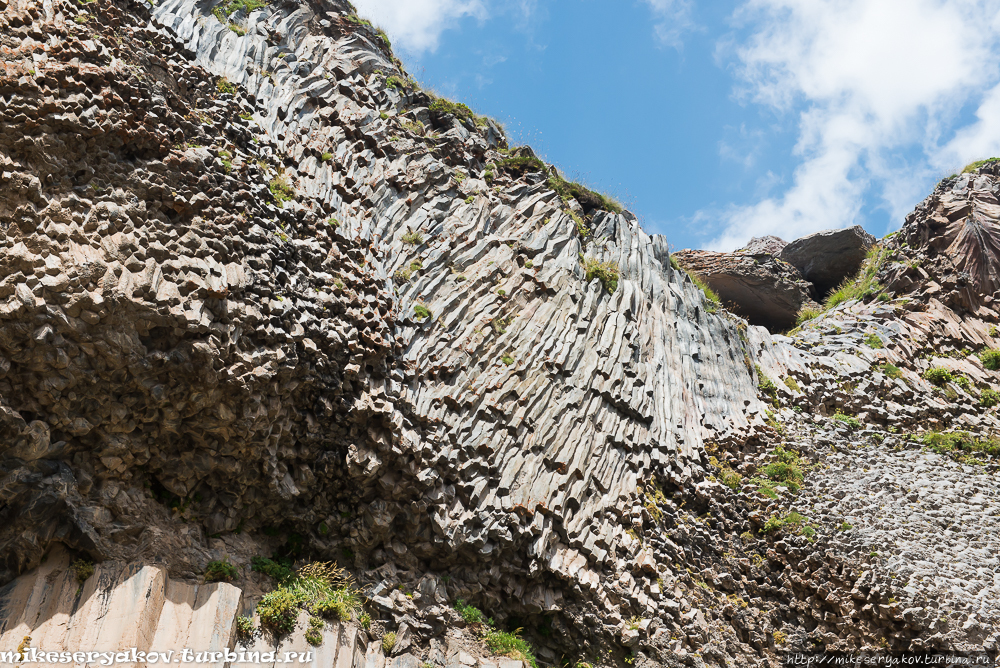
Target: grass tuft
[[606, 272], [281, 189], [990, 359], [864, 283], [510, 644], [221, 571], [938, 376], [891, 370], [413, 238], [588, 198], [973, 166], [322, 589]]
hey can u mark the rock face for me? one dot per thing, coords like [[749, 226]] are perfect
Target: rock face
[[827, 258], [765, 291], [257, 299], [955, 234], [769, 245], [244, 292], [124, 606]]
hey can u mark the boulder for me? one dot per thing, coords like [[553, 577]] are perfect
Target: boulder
[[762, 289], [769, 245], [826, 258]]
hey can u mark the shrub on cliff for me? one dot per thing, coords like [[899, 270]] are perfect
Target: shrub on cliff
[[989, 398], [605, 272], [521, 165], [785, 470], [281, 189], [588, 199], [470, 614], [277, 571], [510, 644], [938, 376], [443, 106], [221, 571], [320, 588], [990, 359], [82, 569]]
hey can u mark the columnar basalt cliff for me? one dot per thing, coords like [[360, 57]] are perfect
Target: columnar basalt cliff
[[261, 296]]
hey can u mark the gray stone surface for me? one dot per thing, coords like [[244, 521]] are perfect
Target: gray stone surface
[[239, 316], [767, 245], [827, 258], [764, 290]]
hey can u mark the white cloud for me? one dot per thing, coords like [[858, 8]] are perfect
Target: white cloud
[[416, 25], [979, 140], [866, 80], [673, 20]]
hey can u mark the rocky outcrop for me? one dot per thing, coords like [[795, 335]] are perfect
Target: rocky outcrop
[[765, 291], [829, 257], [258, 299], [245, 293], [118, 607], [952, 243], [768, 245]]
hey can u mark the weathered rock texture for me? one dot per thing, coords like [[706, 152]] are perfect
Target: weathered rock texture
[[769, 245], [177, 342], [955, 235], [257, 298], [135, 606], [827, 258], [762, 289]]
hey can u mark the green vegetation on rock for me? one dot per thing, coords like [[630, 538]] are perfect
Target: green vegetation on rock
[[444, 106], [938, 376], [221, 571], [606, 272], [521, 165], [849, 420], [973, 166], [990, 359], [82, 570], [322, 589], [281, 189], [585, 196], [862, 285]]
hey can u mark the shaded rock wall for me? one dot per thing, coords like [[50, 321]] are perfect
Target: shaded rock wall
[[829, 257], [187, 359], [760, 288], [258, 298]]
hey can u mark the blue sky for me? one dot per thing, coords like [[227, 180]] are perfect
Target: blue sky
[[718, 121]]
